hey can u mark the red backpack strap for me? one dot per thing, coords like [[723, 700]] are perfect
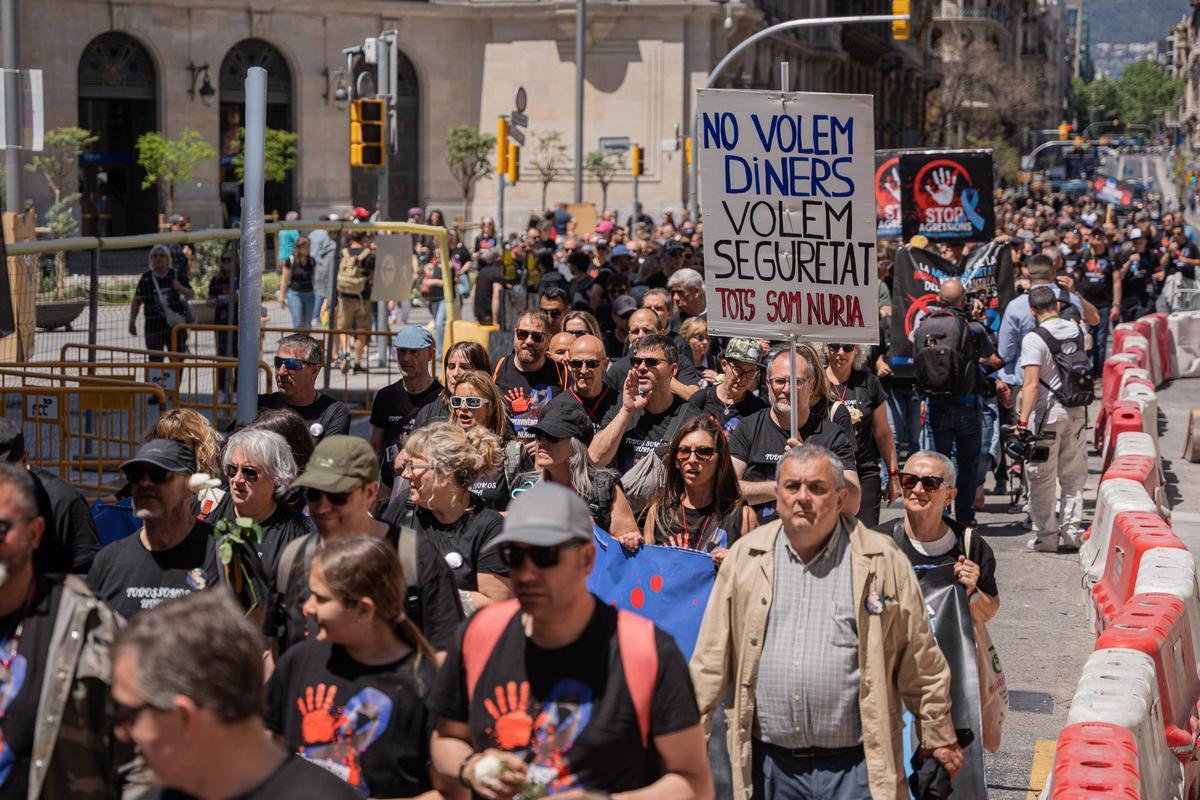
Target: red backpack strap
[[639, 662], [482, 634]]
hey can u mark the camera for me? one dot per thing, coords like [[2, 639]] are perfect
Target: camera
[[1022, 445]]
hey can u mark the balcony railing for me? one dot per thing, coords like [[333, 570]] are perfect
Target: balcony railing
[[955, 11]]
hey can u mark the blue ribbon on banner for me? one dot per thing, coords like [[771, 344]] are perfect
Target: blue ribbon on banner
[[970, 200], [669, 585]]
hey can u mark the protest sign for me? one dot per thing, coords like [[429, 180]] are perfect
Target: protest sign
[[787, 182], [1109, 191], [946, 195], [887, 194], [393, 267], [669, 585]]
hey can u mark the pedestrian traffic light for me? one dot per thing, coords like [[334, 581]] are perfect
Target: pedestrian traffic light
[[501, 146], [1064, 131], [636, 156], [687, 150], [514, 163], [900, 26], [366, 133]]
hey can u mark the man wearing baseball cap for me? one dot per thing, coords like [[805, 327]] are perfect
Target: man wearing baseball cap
[[394, 409], [553, 654], [732, 398], [174, 554], [616, 338], [340, 483]]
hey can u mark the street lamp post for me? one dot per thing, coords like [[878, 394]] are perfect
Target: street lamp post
[[693, 188], [580, 11]]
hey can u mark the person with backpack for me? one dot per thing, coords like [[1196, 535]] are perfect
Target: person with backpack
[[948, 348], [356, 272], [557, 692], [1058, 387]]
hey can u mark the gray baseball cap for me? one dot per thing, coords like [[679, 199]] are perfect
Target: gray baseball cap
[[544, 516]]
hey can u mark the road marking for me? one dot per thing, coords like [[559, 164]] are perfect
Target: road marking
[[1043, 760]]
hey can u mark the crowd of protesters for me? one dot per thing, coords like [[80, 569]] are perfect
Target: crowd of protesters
[[307, 613]]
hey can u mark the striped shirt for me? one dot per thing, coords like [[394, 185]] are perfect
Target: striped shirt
[[808, 676]]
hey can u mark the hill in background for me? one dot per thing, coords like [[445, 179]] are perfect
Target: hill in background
[[1133, 20]]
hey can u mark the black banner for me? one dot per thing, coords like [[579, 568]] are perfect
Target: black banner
[[986, 274], [946, 195], [8, 321], [887, 194]]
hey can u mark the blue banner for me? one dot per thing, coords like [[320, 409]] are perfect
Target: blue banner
[[669, 585]]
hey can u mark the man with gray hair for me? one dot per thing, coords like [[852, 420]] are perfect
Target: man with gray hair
[[298, 361], [819, 625], [687, 290], [188, 691]]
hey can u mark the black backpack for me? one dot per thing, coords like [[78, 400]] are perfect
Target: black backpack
[[1074, 365], [945, 357], [1066, 309]]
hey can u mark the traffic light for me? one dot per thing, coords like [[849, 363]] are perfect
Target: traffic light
[[636, 156], [501, 146], [366, 133], [1064, 131], [687, 150], [900, 26], [514, 163]]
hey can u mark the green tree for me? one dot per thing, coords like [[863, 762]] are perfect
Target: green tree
[[1146, 93], [169, 161], [547, 161], [469, 158], [57, 164], [279, 155], [602, 167]]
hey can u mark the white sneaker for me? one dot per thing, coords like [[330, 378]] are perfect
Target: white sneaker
[[1042, 545]]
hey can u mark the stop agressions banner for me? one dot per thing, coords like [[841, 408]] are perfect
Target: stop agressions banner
[[946, 195], [788, 198]]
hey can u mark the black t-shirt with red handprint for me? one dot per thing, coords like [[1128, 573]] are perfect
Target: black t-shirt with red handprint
[[568, 712], [366, 724], [527, 393]]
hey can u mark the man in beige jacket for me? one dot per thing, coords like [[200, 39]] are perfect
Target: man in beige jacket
[[823, 633]]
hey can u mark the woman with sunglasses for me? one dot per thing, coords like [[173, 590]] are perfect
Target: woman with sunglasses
[[477, 402], [863, 395], [581, 323], [354, 697], [562, 436], [731, 398], [694, 331], [260, 469], [699, 506], [460, 358], [441, 462]]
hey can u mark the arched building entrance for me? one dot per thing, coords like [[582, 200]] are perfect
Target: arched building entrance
[[118, 102]]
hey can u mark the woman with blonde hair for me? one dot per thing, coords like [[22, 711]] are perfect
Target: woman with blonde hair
[[441, 462], [476, 400], [694, 331], [193, 429], [354, 697], [581, 323]]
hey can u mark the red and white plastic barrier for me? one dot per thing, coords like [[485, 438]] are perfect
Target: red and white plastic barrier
[[1140, 467], [1184, 330], [1096, 760], [1168, 570], [1126, 415], [1114, 497], [1133, 535], [1164, 344]]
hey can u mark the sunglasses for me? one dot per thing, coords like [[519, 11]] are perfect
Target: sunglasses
[[703, 453], [157, 474], [290, 364], [470, 401], [249, 473], [649, 363], [584, 363], [120, 714], [840, 348], [514, 556], [540, 434], [7, 524], [552, 313], [577, 334], [536, 336], [931, 483], [335, 498]]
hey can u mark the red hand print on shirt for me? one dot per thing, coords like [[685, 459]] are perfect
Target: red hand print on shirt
[[317, 720], [513, 726]]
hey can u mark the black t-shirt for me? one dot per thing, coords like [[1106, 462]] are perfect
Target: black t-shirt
[[759, 443], [278, 530], [862, 393], [373, 728], [538, 388], [614, 347], [437, 610], [70, 542], [1074, 259], [437, 411], [1095, 281], [20, 695], [461, 543], [130, 579], [325, 416], [702, 529], [147, 292], [730, 416], [394, 410], [1135, 283], [598, 407], [981, 553], [574, 721], [303, 270], [296, 779], [647, 431], [1185, 250], [687, 374], [492, 490], [485, 279]]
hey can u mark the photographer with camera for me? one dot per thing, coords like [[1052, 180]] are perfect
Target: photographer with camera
[[1058, 387]]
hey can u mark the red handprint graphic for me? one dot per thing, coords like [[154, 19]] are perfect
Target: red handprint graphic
[[517, 402], [317, 720], [513, 726]]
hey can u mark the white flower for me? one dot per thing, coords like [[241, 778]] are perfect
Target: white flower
[[200, 481], [488, 770]]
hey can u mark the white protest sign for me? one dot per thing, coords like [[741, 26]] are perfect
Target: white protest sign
[[787, 185], [393, 267]]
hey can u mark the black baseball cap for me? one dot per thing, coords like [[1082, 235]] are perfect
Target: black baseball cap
[[565, 418], [171, 455]]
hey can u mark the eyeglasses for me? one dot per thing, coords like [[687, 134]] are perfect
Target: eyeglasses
[[290, 364], [7, 524], [702, 453], [536, 336], [120, 714], [514, 556], [540, 434], [314, 496], [577, 334], [408, 465], [744, 374], [157, 474], [552, 313], [649, 363], [470, 401], [930, 483], [779, 383], [584, 363], [249, 473], [840, 348]]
